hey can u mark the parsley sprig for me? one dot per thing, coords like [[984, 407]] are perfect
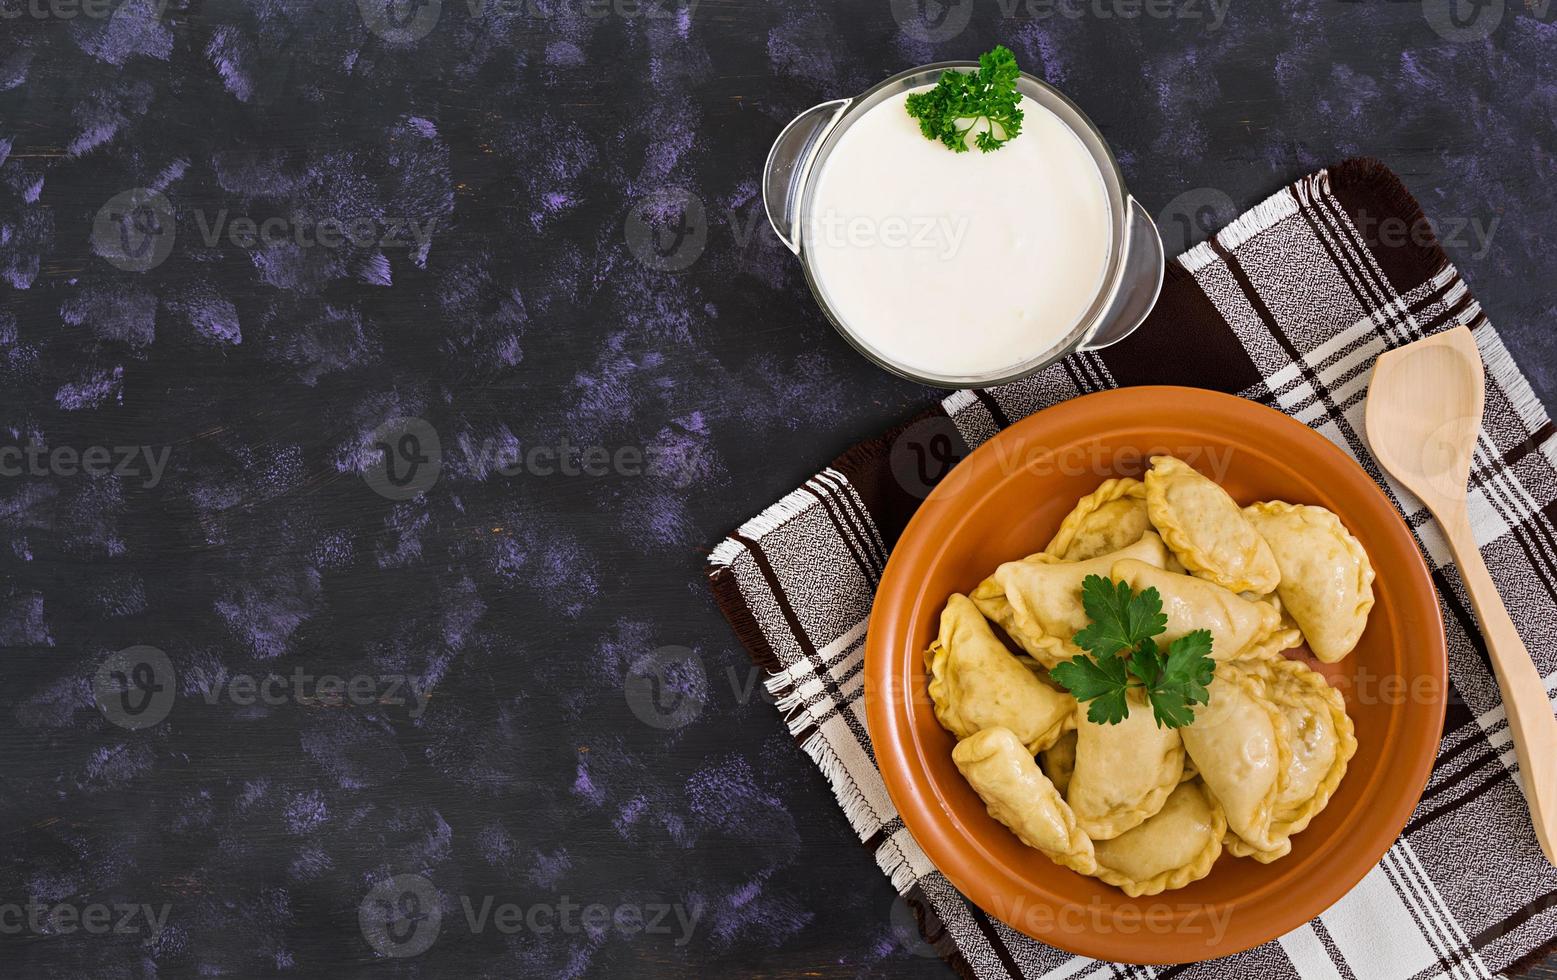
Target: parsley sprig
[[961, 100], [1122, 655]]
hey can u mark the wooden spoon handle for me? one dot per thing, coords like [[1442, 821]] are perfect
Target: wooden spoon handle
[[1530, 717]]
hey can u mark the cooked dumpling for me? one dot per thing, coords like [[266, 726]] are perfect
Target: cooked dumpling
[[1037, 600], [1239, 744], [1319, 732], [976, 683], [1238, 627], [1326, 578], [1105, 520], [1002, 772], [1123, 772], [1274, 601], [1286, 636], [1175, 847], [1059, 761], [1037, 669], [1205, 529], [1322, 741], [1272, 646]]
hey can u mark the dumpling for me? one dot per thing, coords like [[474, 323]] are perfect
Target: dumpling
[[1239, 744], [1326, 578], [1205, 529], [1002, 772], [1288, 634], [1322, 741], [1238, 627], [1037, 600], [1319, 732], [1175, 847], [1274, 601], [1059, 761], [1123, 772], [1105, 520], [1037, 669], [976, 683]]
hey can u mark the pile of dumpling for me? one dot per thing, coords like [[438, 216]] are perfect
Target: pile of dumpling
[[1146, 808]]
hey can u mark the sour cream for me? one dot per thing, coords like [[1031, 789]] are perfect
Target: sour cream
[[960, 264]]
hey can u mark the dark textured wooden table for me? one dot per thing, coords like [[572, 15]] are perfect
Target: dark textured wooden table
[[441, 200]]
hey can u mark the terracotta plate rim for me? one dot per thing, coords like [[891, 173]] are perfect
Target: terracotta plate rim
[[979, 875]]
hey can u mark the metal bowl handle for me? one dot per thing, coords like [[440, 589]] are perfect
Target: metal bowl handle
[[1139, 283], [789, 163]]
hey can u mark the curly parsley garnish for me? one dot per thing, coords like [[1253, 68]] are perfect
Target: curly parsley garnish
[[1122, 654], [962, 100]]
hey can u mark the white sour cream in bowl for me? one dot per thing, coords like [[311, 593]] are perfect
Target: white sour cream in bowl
[[958, 263], [962, 269]]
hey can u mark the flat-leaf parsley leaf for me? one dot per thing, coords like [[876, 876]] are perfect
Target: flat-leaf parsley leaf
[[1120, 619], [1101, 682], [1122, 655], [963, 100]]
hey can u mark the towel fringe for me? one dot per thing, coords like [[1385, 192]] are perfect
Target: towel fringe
[[855, 807], [789, 702], [727, 590], [792, 505], [1506, 374], [781, 680], [897, 869], [789, 699], [803, 719], [1455, 292], [1363, 186], [957, 401], [1279, 206], [725, 553], [1442, 276]]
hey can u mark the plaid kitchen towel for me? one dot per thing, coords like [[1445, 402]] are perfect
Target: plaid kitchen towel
[[1288, 306]]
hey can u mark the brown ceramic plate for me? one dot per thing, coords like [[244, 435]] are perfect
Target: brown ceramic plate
[[1004, 502]]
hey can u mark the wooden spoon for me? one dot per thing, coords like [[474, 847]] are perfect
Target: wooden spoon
[[1424, 412]]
